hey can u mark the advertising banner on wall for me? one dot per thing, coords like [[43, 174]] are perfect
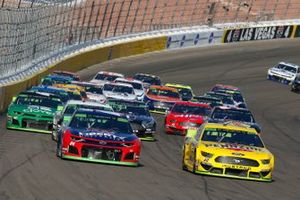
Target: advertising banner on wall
[[258, 33], [194, 39], [297, 31]]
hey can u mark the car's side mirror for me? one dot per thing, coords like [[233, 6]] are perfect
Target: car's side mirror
[[14, 99]]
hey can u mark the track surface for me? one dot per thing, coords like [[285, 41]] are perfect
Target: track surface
[[29, 168]]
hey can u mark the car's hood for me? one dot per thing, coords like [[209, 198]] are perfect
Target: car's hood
[[29, 109], [96, 97], [187, 117], [162, 98], [119, 95], [104, 135], [227, 149]]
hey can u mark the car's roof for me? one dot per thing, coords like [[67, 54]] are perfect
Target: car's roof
[[129, 80], [92, 103], [231, 108], [180, 86], [161, 87], [84, 83], [65, 72], [230, 87], [192, 104], [208, 97], [48, 88], [289, 64], [39, 94], [229, 125], [119, 84], [92, 111], [150, 75], [111, 73], [58, 77]]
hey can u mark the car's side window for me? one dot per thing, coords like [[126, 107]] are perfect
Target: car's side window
[[197, 137]]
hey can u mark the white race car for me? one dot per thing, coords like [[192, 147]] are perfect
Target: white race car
[[64, 116], [283, 72], [93, 91], [103, 77], [119, 91], [136, 84]]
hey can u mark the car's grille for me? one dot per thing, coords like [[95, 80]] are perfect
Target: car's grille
[[236, 172], [189, 124], [28, 123], [137, 126], [101, 153], [237, 161], [104, 143]]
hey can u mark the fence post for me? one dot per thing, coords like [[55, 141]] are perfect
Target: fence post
[[152, 15], [118, 19], [103, 19], [144, 15], [110, 18], [135, 15], [125, 23], [96, 21], [89, 21]]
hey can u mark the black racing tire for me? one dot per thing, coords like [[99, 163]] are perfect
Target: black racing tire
[[194, 163], [183, 158]]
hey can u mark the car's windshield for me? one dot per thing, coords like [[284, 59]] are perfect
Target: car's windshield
[[71, 108], [191, 110], [63, 95], [232, 137], [50, 81], [118, 88], [287, 68], [93, 89], [148, 79], [140, 111], [100, 121], [231, 114], [106, 77], [74, 95], [184, 92], [166, 93], [136, 86], [39, 101], [226, 99]]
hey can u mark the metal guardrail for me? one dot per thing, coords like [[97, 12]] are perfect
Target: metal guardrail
[[33, 29]]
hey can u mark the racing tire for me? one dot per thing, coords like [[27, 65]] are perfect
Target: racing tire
[[194, 163], [59, 150], [183, 158]]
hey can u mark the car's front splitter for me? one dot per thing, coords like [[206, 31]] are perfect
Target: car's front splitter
[[132, 164], [231, 176]]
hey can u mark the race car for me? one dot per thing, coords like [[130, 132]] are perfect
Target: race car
[[75, 92], [136, 84], [233, 91], [63, 95], [33, 111], [283, 72], [227, 100], [295, 86], [55, 79], [99, 136], [142, 123], [221, 114], [185, 91], [93, 91], [218, 87], [228, 150], [74, 76], [64, 116], [119, 91], [212, 101], [185, 115], [147, 79], [103, 77], [160, 99]]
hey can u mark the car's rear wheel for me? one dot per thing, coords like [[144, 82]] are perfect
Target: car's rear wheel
[[183, 159], [194, 162]]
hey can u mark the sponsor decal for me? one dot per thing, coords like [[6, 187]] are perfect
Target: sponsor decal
[[37, 109], [182, 40], [258, 33], [104, 135], [235, 147], [169, 42], [197, 38]]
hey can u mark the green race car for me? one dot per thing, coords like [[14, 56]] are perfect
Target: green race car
[[185, 91], [33, 111]]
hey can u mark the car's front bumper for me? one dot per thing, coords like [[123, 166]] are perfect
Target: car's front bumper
[[279, 78]]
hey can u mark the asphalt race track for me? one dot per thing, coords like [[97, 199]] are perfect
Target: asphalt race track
[[29, 168]]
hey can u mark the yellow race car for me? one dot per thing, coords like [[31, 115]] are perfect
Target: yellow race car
[[185, 91], [229, 150]]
